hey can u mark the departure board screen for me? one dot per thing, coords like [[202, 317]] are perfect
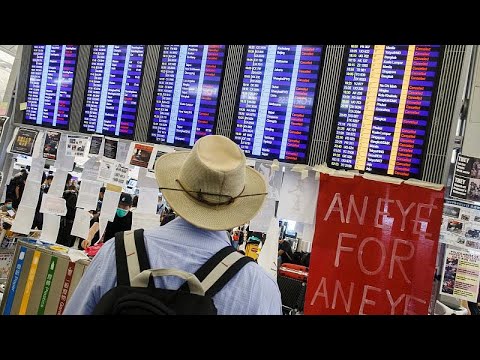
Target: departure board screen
[[275, 107], [387, 94], [113, 90], [187, 93], [50, 85]]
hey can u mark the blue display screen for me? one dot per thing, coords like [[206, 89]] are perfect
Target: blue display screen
[[275, 107], [113, 90], [50, 85], [386, 99], [187, 93]]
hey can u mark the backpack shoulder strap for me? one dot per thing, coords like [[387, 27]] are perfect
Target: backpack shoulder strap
[[131, 255], [219, 269], [224, 272]]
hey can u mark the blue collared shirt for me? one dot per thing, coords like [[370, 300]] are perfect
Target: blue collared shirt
[[180, 245]]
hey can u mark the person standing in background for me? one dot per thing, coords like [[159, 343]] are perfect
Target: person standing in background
[[47, 183], [121, 222], [100, 199], [134, 203], [285, 253], [15, 188], [160, 205], [66, 223]]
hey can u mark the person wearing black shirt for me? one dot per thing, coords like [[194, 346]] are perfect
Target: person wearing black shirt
[[16, 186], [100, 199], [285, 252], [167, 216], [66, 222], [121, 222]]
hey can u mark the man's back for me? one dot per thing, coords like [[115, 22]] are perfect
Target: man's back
[[180, 245]]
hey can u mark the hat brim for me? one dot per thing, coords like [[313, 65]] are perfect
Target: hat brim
[[221, 217]]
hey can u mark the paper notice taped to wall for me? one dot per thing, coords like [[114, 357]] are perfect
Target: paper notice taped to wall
[[298, 198], [31, 192], [91, 169], [88, 194], [53, 205], [51, 225], [110, 204], [58, 183], [120, 174], [122, 151], [261, 221], [269, 253], [23, 219], [81, 224], [147, 200]]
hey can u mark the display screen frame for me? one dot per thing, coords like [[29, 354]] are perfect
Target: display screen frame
[[314, 106], [30, 64], [120, 136], [331, 142], [153, 140]]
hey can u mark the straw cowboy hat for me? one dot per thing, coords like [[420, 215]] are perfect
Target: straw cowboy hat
[[210, 186]]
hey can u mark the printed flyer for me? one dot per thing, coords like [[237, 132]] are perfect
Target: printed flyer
[[140, 155], [466, 178], [50, 146], [461, 274], [76, 145], [24, 141], [95, 144], [461, 225]]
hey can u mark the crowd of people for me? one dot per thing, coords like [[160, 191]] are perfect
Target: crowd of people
[[121, 222]]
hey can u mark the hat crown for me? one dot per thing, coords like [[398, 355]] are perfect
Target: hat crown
[[214, 170]]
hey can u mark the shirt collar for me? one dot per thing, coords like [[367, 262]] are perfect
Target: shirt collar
[[182, 224]]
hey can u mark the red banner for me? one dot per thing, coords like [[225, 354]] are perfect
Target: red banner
[[374, 249]]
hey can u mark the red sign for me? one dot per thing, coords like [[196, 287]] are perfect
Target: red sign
[[374, 249]]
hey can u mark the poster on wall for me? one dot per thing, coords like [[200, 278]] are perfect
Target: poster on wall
[[122, 151], [120, 174], [466, 178], [50, 146], [105, 171], [297, 198], [24, 141], [139, 155], [461, 274], [76, 145], [110, 149], [272, 178], [375, 246], [95, 144], [461, 225]]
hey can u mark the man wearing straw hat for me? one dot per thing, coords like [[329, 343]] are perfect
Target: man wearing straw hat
[[211, 190]]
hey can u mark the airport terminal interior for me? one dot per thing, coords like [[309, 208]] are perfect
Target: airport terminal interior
[[239, 180]]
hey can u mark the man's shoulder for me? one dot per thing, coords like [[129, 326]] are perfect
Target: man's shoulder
[[257, 274]]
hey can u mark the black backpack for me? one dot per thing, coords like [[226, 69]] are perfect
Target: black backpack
[[135, 293]]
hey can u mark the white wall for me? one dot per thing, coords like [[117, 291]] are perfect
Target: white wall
[[6, 62], [471, 142]]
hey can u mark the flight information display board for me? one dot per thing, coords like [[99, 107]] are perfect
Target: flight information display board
[[275, 107], [113, 90], [50, 85], [386, 100], [187, 93]]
